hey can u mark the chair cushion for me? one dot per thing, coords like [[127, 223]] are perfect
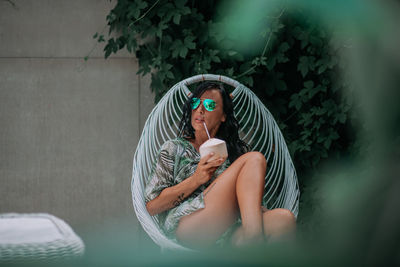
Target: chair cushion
[[37, 236]]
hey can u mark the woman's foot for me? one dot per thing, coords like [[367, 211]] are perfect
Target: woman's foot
[[242, 238]]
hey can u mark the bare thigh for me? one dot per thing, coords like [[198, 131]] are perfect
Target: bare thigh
[[205, 226]]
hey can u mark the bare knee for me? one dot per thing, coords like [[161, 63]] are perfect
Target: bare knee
[[279, 222], [256, 157], [285, 214], [253, 168]]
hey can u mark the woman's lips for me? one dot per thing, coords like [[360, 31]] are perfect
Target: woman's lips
[[199, 120]]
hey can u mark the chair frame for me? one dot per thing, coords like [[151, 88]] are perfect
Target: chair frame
[[281, 187]]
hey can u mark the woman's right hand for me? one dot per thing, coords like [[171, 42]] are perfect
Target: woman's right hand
[[205, 169]]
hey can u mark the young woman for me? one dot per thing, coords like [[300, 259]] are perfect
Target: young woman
[[196, 201]]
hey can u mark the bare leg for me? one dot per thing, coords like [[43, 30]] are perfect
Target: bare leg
[[240, 187], [249, 193], [278, 224]]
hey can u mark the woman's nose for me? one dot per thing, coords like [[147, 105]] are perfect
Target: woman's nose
[[201, 108]]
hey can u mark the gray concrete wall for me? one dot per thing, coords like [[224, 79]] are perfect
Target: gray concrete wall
[[68, 128]]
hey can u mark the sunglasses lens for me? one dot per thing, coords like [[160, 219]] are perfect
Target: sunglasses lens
[[195, 102], [209, 104]]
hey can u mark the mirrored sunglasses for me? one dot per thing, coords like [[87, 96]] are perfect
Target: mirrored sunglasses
[[208, 104]]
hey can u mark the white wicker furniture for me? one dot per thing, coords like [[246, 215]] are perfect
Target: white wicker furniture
[[257, 128], [37, 236]]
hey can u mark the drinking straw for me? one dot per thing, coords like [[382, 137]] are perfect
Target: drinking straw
[[205, 126]]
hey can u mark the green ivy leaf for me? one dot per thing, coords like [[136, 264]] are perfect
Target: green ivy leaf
[[229, 72], [141, 4], [271, 62], [101, 39], [181, 6], [133, 13], [305, 65], [166, 12], [329, 105], [189, 42], [180, 48], [247, 80], [177, 19], [304, 38], [213, 56], [306, 119], [327, 143], [308, 84], [161, 26], [295, 101], [284, 47]]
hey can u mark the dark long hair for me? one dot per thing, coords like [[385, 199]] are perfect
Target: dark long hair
[[228, 130]]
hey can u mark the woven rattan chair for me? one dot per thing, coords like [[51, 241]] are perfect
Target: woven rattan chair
[[37, 237], [257, 128]]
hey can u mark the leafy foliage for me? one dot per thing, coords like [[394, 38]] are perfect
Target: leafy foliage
[[296, 72]]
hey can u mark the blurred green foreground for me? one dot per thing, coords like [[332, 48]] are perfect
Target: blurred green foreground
[[355, 219]]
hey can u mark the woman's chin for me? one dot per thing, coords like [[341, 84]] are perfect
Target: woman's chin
[[198, 129], [197, 125]]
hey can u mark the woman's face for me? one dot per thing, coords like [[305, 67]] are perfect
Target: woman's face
[[213, 119]]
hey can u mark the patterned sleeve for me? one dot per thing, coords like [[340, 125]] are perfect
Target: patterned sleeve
[[162, 173]]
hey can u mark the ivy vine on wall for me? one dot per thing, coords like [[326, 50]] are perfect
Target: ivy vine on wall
[[295, 72]]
